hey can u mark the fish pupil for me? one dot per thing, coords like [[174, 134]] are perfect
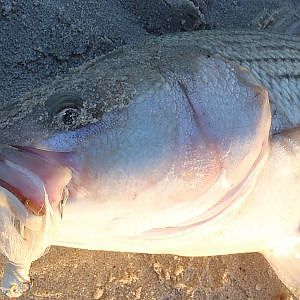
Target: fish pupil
[[69, 116]]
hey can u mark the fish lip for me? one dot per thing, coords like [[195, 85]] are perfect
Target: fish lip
[[28, 182], [66, 158], [20, 195], [40, 211]]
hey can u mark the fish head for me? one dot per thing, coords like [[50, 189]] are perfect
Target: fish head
[[133, 134], [132, 124]]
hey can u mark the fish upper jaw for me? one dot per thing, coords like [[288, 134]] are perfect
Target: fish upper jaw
[[30, 176]]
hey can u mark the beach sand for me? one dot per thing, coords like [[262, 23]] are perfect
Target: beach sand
[[81, 274]]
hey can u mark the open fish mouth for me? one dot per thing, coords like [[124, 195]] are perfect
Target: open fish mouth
[[31, 175], [33, 188]]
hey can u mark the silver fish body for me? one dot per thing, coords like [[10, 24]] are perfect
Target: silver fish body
[[168, 145]]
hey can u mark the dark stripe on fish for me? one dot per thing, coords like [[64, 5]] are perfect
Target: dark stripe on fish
[[285, 76], [272, 59]]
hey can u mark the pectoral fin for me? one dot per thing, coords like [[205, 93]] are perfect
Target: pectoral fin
[[285, 260]]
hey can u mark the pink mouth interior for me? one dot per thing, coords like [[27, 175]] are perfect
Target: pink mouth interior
[[31, 176]]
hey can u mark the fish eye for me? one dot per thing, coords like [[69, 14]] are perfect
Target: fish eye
[[64, 107], [68, 116]]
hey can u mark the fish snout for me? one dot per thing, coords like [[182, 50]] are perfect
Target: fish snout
[[33, 188], [31, 176]]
